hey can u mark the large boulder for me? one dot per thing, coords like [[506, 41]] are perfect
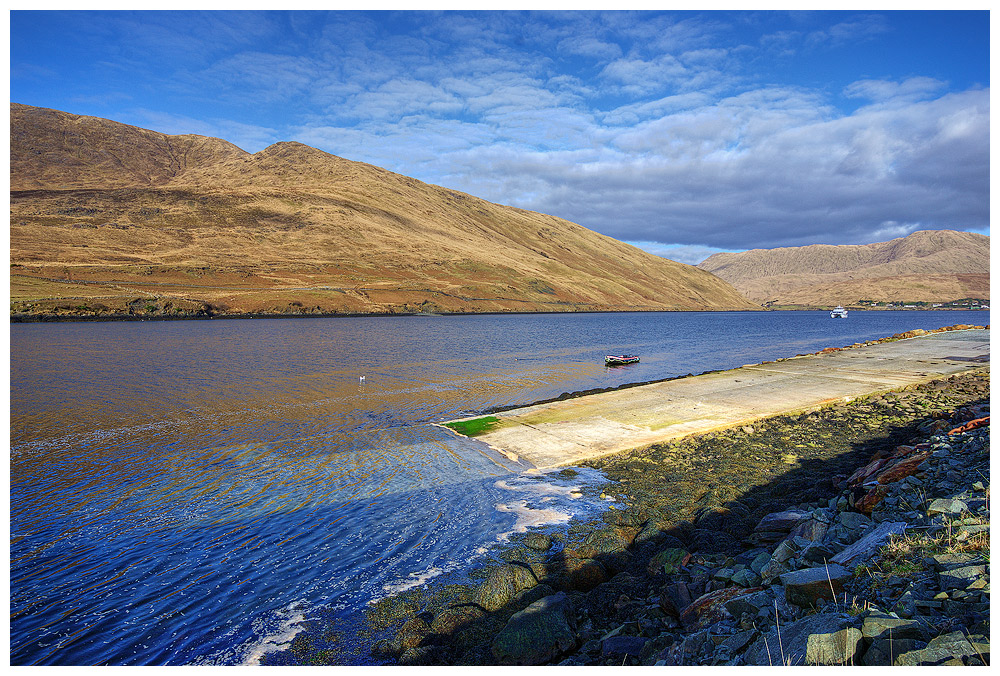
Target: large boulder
[[538, 541], [878, 626], [791, 647], [503, 584], [539, 633], [945, 650], [603, 542], [843, 646], [805, 587], [451, 620], [781, 522]]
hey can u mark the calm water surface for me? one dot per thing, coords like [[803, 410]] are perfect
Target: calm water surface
[[181, 492]]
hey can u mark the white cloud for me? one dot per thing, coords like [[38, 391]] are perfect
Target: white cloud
[[891, 230], [639, 77], [590, 47], [763, 169], [248, 137], [258, 76], [400, 97], [861, 28], [885, 91], [687, 254]]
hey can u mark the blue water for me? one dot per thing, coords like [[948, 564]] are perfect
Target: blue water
[[181, 492]]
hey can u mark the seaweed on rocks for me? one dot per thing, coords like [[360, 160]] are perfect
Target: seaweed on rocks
[[716, 542]]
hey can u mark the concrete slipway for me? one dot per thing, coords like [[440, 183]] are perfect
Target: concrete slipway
[[569, 431]]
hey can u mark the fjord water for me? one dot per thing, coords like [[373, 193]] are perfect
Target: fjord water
[[183, 492]]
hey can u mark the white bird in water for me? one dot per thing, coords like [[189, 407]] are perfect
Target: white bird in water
[[362, 379]]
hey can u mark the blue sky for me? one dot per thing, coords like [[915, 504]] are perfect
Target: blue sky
[[683, 132]]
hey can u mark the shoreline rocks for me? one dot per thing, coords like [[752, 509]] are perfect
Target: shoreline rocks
[[714, 546]]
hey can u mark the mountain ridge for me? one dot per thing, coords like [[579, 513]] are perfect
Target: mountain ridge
[[925, 266], [120, 214]]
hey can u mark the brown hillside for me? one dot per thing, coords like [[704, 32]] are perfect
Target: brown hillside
[[926, 266], [107, 217], [57, 151]]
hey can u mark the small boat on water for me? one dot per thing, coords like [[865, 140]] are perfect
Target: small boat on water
[[838, 313], [620, 359]]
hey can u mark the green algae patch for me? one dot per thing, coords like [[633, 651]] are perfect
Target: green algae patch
[[476, 426]]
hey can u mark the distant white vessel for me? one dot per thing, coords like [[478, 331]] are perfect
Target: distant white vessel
[[838, 312]]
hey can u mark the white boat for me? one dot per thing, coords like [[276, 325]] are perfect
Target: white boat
[[838, 313], [620, 359]]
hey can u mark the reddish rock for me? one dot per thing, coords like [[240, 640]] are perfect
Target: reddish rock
[[902, 468], [709, 608], [863, 473], [971, 425], [867, 502]]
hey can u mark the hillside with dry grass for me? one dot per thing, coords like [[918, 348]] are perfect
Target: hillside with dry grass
[[929, 266], [111, 219]]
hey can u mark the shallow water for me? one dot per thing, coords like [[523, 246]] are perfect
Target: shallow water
[[181, 491]]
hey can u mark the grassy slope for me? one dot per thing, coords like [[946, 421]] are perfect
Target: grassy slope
[[103, 209], [930, 265]]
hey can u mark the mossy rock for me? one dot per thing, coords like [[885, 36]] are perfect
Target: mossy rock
[[503, 584], [581, 574], [606, 541], [538, 542], [452, 620]]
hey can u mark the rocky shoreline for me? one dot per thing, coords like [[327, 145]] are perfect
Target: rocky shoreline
[[857, 534]]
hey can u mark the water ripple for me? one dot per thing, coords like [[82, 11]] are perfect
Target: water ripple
[[183, 492]]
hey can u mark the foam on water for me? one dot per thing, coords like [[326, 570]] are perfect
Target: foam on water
[[414, 580], [545, 498], [290, 624]]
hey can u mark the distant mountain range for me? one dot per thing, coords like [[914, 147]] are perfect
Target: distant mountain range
[[108, 218], [928, 266]]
